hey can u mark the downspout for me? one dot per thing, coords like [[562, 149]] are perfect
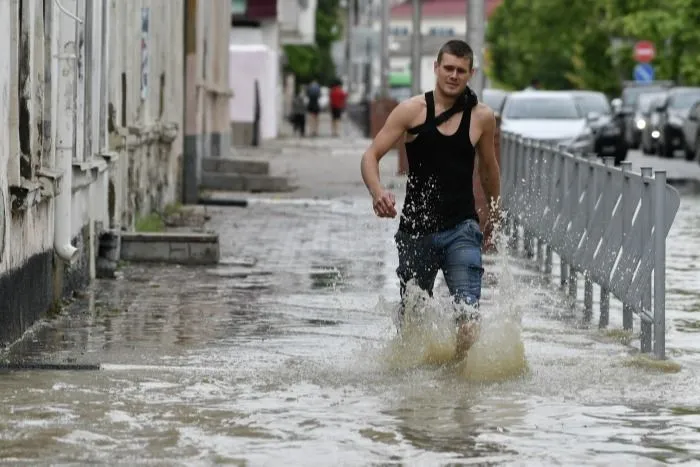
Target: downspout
[[67, 56]]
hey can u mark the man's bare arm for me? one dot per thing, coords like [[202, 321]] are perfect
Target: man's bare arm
[[489, 171], [394, 127]]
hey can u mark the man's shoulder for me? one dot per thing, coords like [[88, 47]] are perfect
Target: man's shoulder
[[483, 113], [412, 105]]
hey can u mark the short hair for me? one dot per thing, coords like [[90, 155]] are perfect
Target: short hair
[[458, 48]]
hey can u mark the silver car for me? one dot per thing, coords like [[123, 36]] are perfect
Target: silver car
[[550, 116]]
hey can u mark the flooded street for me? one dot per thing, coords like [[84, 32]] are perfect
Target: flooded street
[[286, 354]]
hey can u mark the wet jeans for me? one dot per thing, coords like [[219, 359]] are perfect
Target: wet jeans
[[457, 252]]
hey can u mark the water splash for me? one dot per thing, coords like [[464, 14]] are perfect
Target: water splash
[[427, 336]]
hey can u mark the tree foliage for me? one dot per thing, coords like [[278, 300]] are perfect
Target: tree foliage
[[589, 44], [314, 61]]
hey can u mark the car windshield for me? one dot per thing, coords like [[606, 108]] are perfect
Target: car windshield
[[588, 103], [494, 99], [648, 99], [541, 108], [631, 94], [683, 100]]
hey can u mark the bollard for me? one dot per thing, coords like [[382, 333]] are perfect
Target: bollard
[[660, 265], [625, 167], [644, 212]]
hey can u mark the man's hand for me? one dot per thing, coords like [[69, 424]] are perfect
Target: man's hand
[[384, 204]]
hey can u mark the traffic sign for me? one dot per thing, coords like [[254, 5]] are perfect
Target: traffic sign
[[644, 51], [643, 73]]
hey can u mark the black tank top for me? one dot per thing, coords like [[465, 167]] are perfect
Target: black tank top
[[439, 191]]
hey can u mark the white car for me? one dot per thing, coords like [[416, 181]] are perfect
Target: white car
[[550, 116]]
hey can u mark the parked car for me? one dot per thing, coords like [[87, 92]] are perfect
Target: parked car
[[691, 133], [494, 98], [627, 103], [673, 111], [607, 127], [550, 116], [649, 122]]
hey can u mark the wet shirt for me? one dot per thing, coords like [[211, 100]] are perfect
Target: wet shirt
[[439, 191]]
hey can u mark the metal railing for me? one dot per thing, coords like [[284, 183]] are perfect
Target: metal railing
[[606, 223]]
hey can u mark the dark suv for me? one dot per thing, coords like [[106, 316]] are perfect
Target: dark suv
[[673, 111], [607, 127], [630, 94]]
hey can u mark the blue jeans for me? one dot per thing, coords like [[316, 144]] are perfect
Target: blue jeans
[[457, 252]]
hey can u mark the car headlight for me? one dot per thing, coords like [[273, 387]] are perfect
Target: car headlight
[[641, 124]]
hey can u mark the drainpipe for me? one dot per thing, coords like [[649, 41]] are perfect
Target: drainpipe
[[67, 57]]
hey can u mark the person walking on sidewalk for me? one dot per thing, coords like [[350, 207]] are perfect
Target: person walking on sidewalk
[[313, 95], [298, 114], [337, 99], [444, 131]]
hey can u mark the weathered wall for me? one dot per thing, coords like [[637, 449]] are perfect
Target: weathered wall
[[207, 92], [146, 102], [121, 135]]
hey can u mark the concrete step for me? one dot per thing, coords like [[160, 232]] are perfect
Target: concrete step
[[245, 182], [235, 165], [169, 247]]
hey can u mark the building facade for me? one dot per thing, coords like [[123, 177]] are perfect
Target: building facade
[[267, 24], [91, 134]]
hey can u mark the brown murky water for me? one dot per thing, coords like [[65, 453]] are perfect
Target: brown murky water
[[286, 354]]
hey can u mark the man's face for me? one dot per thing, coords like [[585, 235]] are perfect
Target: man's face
[[452, 74]]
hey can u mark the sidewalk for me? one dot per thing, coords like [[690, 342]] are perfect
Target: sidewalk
[[321, 167]]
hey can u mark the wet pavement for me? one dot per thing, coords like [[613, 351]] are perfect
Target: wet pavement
[[286, 354]]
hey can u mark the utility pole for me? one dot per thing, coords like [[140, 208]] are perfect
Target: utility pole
[[350, 56], [384, 45], [475, 38], [416, 48]]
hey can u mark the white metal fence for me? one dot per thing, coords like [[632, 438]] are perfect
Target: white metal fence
[[606, 223]]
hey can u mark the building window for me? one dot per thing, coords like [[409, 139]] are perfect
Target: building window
[[399, 31], [441, 31], [238, 7]]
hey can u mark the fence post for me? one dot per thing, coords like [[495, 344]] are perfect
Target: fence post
[[563, 267], [591, 197], [551, 196], [604, 319], [576, 187], [659, 264], [645, 213], [627, 213]]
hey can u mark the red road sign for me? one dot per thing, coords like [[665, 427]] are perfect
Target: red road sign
[[644, 51]]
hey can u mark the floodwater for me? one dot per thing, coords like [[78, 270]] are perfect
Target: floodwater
[[286, 354]]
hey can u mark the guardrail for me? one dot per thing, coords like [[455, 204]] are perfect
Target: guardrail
[[605, 222]]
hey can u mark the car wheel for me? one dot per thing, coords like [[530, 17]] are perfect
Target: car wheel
[[689, 153], [697, 150], [666, 150], [620, 156]]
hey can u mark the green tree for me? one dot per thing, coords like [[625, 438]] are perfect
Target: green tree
[[589, 44], [314, 61]]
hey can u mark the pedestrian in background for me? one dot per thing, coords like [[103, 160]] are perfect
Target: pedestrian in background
[[298, 114], [313, 94], [338, 98]]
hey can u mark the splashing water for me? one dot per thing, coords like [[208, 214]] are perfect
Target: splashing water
[[428, 335]]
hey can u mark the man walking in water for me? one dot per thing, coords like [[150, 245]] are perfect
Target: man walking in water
[[444, 131]]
